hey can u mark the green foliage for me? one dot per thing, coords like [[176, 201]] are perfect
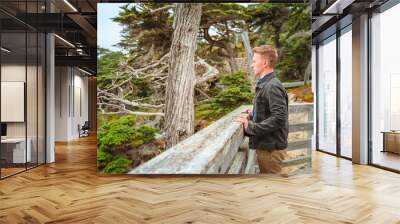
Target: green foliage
[[235, 91], [299, 18], [142, 89], [147, 35], [145, 30], [117, 136], [103, 158], [267, 20], [118, 166], [219, 14], [296, 43], [121, 132], [143, 135], [297, 56], [287, 27], [117, 132], [107, 65], [102, 120]]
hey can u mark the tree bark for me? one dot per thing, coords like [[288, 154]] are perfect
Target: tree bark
[[231, 56], [276, 37], [232, 63], [179, 103]]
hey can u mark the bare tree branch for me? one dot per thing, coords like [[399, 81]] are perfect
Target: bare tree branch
[[151, 11], [112, 100], [139, 113], [111, 96], [123, 110], [119, 84], [203, 93], [211, 72]]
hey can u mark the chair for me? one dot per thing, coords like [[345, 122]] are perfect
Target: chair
[[84, 130]]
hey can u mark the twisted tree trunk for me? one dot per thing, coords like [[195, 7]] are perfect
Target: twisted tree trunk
[[232, 61], [249, 56], [229, 50], [179, 105]]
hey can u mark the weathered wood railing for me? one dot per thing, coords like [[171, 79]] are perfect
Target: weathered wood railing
[[220, 148], [293, 84], [300, 122], [306, 126]]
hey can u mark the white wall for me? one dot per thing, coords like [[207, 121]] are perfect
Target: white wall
[[71, 94], [61, 103], [80, 109]]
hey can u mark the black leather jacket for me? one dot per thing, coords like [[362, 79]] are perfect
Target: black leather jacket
[[270, 129]]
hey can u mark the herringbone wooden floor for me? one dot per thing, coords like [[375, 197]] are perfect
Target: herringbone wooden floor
[[70, 191]]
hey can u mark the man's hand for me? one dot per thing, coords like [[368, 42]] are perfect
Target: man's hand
[[249, 113], [243, 120]]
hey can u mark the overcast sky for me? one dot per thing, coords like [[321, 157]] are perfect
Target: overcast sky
[[108, 32]]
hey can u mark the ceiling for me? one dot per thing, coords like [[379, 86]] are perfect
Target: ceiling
[[330, 15], [73, 21]]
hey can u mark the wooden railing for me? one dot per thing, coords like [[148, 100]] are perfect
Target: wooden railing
[[306, 126], [221, 148], [293, 84]]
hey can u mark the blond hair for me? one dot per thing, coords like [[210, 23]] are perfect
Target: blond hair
[[269, 53]]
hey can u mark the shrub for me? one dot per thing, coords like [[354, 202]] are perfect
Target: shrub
[[121, 135], [235, 91], [117, 136], [103, 158], [119, 165]]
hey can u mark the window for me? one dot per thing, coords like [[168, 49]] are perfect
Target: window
[[385, 86], [327, 95], [22, 66], [346, 92]]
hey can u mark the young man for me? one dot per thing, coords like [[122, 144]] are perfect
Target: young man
[[267, 123]]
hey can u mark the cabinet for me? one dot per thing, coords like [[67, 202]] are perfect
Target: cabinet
[[13, 151], [391, 141]]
